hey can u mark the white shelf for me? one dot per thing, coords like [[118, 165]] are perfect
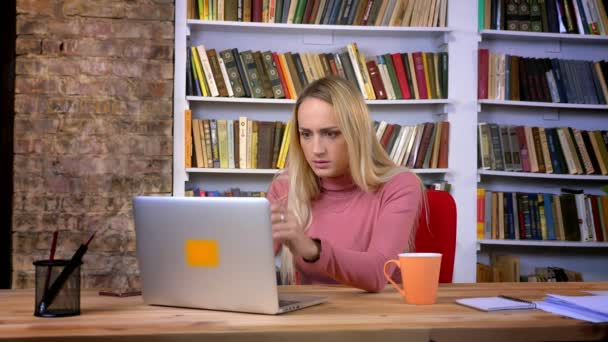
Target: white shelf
[[239, 100], [273, 171], [541, 175], [542, 36], [430, 171], [542, 104], [234, 171], [543, 243], [243, 26], [292, 101]]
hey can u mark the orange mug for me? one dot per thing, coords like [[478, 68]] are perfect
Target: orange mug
[[420, 276]]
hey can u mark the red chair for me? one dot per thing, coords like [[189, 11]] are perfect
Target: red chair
[[438, 235]]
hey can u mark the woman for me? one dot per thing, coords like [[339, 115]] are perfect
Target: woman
[[342, 208]]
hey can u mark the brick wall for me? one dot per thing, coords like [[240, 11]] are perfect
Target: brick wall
[[93, 128]]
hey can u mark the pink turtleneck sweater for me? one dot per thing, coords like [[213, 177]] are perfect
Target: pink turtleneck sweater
[[358, 231]]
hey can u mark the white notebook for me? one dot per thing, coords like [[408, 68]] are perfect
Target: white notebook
[[496, 303]]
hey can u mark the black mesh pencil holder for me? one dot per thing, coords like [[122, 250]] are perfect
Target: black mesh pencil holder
[[65, 301]]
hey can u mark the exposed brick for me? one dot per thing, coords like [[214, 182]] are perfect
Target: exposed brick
[[52, 47], [96, 66], [96, 9], [29, 202], [23, 279], [24, 145], [150, 166], [160, 146], [63, 105], [56, 183], [76, 144], [62, 67], [31, 66], [31, 25], [36, 126], [32, 85], [157, 88], [142, 29], [30, 104], [154, 184], [157, 109], [36, 7], [25, 262], [92, 129], [69, 27], [147, 50], [96, 105], [131, 241], [158, 127], [93, 48], [130, 108], [157, 71], [128, 69], [157, 11], [120, 147], [125, 89], [27, 222], [107, 222], [97, 28], [28, 45]]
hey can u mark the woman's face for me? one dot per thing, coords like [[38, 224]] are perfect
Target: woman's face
[[322, 141]]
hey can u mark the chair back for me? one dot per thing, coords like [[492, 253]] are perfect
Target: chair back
[[438, 233]]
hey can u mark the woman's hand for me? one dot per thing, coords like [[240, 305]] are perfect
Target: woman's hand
[[286, 230]]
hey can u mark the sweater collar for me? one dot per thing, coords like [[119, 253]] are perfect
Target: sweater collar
[[340, 183]]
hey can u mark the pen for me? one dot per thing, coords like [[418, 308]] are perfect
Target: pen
[[75, 261], [517, 299], [50, 267]]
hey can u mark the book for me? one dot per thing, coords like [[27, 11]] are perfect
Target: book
[[497, 303]]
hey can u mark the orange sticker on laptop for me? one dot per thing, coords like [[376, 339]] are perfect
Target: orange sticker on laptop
[[202, 253]]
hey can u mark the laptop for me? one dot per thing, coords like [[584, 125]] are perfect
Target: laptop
[[210, 253]]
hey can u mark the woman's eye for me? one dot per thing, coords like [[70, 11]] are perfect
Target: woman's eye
[[331, 134], [305, 134]]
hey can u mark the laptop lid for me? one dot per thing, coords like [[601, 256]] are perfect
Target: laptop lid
[[206, 252]]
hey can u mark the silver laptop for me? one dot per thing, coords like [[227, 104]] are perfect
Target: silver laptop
[[210, 253]]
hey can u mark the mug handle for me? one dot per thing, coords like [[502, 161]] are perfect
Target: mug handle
[[396, 262]]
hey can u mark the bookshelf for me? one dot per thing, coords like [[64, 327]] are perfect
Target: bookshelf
[[293, 101], [540, 36], [492, 173], [460, 40], [589, 257], [573, 244], [542, 104], [275, 171]]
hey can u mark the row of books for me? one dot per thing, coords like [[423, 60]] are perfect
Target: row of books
[[508, 77], [420, 146], [232, 192], [236, 144], [252, 144], [415, 75], [556, 16], [570, 216], [506, 268], [440, 185], [323, 12], [559, 150]]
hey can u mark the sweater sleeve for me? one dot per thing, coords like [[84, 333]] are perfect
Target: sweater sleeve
[[397, 216]]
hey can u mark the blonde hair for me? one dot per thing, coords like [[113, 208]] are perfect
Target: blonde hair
[[370, 165]]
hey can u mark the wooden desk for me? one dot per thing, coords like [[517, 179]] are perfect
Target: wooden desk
[[350, 315]]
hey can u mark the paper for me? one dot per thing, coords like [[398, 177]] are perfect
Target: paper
[[495, 303], [598, 292], [588, 308]]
